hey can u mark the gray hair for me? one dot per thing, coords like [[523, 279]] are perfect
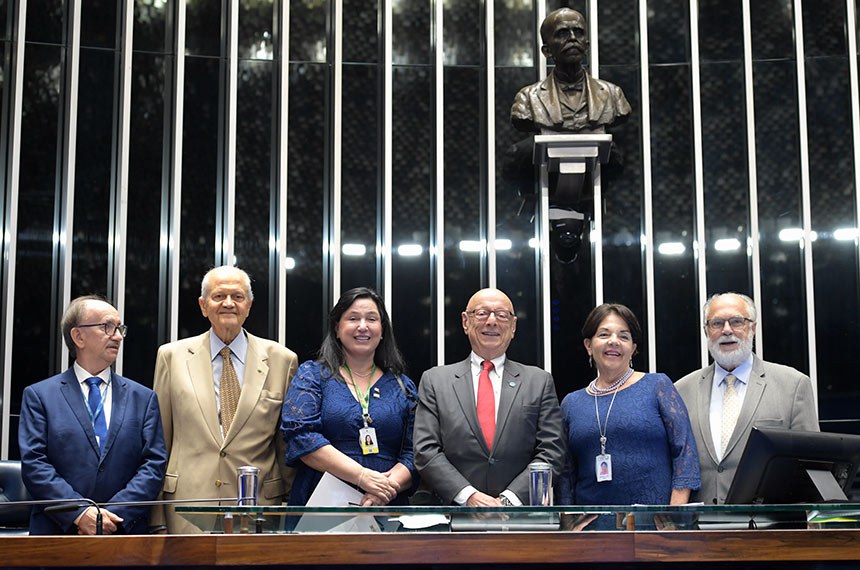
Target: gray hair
[[751, 310], [246, 280], [74, 315]]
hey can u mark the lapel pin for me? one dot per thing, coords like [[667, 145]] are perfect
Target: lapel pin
[[512, 384]]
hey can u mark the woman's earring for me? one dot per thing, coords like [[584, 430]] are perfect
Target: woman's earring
[[590, 363]]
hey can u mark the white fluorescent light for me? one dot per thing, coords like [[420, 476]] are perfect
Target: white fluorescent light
[[727, 244], [845, 234], [671, 248], [534, 243], [410, 250], [795, 234], [356, 249], [503, 244], [472, 245], [289, 263]]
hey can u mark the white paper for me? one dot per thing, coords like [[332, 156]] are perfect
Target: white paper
[[332, 492]]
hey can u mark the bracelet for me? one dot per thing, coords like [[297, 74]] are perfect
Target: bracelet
[[360, 477]]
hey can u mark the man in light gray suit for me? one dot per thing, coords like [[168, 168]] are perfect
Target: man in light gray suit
[[739, 391], [480, 422]]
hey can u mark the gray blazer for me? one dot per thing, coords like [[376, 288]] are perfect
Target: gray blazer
[[776, 396], [450, 451]]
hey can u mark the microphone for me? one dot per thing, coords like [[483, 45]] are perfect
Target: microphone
[[60, 505]]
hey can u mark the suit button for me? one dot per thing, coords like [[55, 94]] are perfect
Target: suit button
[[223, 454], [218, 483], [720, 469], [101, 468], [491, 461]]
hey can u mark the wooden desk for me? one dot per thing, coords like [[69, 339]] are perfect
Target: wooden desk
[[425, 548]]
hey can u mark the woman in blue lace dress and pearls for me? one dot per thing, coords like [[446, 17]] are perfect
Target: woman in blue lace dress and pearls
[[350, 412], [628, 432]]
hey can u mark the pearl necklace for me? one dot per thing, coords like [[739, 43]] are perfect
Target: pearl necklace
[[593, 390]]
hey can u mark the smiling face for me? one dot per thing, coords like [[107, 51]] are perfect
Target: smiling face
[[226, 303], [611, 347], [489, 337], [94, 350], [359, 329], [730, 347]]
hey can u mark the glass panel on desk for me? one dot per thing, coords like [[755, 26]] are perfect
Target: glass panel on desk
[[283, 519]]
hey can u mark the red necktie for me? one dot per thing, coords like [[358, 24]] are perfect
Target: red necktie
[[486, 404]]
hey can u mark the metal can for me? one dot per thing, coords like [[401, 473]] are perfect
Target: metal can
[[540, 484], [247, 481]]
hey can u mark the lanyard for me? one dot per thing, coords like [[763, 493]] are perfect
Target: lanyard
[[363, 399], [602, 430]]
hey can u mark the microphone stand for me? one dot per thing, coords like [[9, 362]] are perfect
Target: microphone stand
[[60, 505]]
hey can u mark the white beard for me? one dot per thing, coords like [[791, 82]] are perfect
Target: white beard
[[733, 359]]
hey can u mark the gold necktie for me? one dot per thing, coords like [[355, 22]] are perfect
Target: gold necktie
[[731, 409], [229, 391]]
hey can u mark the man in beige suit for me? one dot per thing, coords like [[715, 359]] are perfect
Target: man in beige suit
[[212, 426]]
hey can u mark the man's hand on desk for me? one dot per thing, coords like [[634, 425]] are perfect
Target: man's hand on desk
[[86, 522]]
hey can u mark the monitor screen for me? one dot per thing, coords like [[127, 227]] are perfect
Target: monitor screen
[[781, 466]]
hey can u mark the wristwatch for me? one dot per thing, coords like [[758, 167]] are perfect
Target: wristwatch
[[506, 502]]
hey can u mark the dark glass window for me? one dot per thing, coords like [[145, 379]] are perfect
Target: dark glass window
[[98, 23], [93, 172], [254, 205], [256, 25], [668, 31], [463, 30], [361, 31], [307, 304], [204, 27], [145, 300], [411, 30], [199, 187], [721, 35], [150, 21], [45, 21]]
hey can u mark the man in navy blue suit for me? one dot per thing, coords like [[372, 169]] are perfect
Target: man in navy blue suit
[[90, 433]]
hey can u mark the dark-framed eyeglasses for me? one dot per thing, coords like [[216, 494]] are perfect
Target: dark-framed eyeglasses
[[737, 323], [484, 314], [109, 328]]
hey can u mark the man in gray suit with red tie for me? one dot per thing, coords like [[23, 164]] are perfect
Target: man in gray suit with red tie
[[480, 422], [737, 392]]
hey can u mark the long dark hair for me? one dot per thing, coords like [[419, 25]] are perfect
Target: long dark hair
[[387, 356]]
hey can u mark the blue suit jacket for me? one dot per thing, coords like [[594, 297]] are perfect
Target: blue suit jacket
[[60, 457]]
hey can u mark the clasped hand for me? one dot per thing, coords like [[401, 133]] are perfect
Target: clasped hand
[[379, 488], [86, 523]]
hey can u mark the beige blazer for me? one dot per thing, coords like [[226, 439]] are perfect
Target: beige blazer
[[201, 464]]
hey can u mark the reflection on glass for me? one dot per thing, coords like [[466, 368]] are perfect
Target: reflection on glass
[[464, 205], [93, 172], [772, 24], [832, 199], [150, 21], [828, 20], [256, 25], [725, 179], [36, 328], [361, 23], [360, 174], [513, 25], [668, 31], [308, 31], [203, 27], [721, 35], [255, 207], [618, 32], [199, 186], [147, 145], [306, 302], [411, 29], [675, 291], [463, 22]]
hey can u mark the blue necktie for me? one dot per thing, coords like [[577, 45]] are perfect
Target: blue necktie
[[94, 400]]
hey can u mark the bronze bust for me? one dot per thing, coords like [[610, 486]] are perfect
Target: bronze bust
[[569, 100]]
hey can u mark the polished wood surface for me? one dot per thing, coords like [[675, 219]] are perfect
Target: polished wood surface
[[426, 548]]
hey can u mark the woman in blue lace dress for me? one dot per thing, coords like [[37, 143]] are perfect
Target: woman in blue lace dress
[[628, 432], [350, 413]]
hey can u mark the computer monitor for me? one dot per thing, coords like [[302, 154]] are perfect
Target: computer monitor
[[781, 466]]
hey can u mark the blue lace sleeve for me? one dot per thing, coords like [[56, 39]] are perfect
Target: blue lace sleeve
[[300, 416], [564, 490], [682, 443], [411, 396]]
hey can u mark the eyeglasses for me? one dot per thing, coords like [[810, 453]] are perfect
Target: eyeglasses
[[737, 323], [484, 314], [109, 328]]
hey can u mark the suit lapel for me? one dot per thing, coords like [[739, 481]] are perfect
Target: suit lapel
[[200, 372], [465, 393], [71, 391], [548, 96], [703, 408], [119, 403], [511, 382], [256, 370]]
